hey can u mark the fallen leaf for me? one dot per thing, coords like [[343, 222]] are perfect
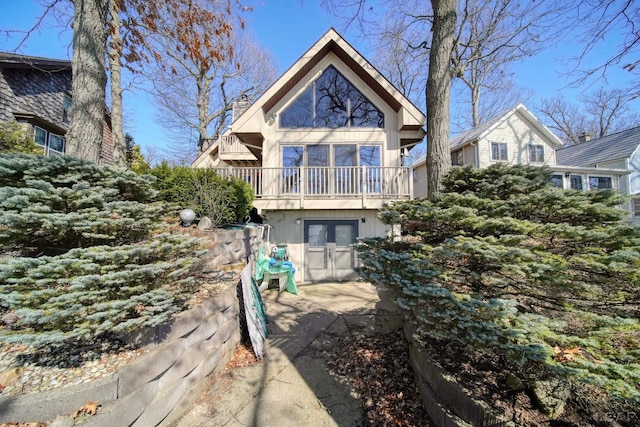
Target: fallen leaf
[[91, 408], [567, 354]]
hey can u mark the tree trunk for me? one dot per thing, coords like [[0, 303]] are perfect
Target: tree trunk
[[89, 79], [439, 94], [115, 55]]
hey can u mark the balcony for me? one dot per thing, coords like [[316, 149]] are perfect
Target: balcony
[[349, 187]]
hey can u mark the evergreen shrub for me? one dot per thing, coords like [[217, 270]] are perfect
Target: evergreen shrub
[[223, 200], [503, 262], [85, 251]]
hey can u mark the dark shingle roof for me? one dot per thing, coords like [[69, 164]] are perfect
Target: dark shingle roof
[[14, 60], [619, 145]]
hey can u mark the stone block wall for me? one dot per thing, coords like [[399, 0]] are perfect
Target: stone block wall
[[158, 387], [446, 401]]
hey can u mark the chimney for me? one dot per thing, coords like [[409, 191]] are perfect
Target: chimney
[[584, 137], [239, 107]]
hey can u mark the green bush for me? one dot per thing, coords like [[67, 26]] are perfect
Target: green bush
[[223, 200], [506, 263], [85, 251], [13, 138]]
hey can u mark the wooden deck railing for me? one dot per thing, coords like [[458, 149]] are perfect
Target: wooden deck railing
[[326, 182]]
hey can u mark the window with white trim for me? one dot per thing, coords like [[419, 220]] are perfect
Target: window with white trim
[[557, 181], [576, 182], [536, 153], [499, 151], [600, 182], [52, 144]]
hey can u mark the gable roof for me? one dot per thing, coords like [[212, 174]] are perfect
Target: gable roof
[[331, 42], [483, 129], [616, 146], [14, 60]]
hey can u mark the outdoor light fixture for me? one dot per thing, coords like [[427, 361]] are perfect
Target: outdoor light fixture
[[187, 216], [298, 221], [272, 119]]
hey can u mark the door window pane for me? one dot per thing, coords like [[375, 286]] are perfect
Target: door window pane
[[317, 172], [318, 235], [344, 234], [292, 159], [372, 179], [345, 161]]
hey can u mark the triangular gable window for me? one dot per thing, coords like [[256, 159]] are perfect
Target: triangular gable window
[[331, 102]]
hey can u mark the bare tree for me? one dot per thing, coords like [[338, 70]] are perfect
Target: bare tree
[[195, 100], [603, 20], [600, 113], [439, 94], [115, 68], [89, 78]]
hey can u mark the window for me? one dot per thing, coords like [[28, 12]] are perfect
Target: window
[[536, 153], [576, 182], [457, 158], [52, 144], [557, 181], [347, 175], [636, 206], [600, 182], [499, 151], [331, 102], [66, 109]]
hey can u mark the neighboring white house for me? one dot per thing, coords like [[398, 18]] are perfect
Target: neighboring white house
[[323, 148], [517, 137], [617, 151]]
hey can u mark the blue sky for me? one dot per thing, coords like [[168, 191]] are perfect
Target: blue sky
[[287, 28]]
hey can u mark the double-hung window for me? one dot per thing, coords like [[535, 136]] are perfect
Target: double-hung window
[[499, 151], [536, 153], [52, 144]]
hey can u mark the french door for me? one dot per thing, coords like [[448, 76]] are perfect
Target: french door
[[329, 249]]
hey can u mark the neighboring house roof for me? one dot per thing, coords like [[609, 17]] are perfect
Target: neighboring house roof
[[13, 60], [483, 129], [331, 42], [620, 145]]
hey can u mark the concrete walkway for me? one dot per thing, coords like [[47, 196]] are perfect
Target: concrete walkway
[[291, 386]]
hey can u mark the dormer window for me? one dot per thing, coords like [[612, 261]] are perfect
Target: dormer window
[[332, 102]]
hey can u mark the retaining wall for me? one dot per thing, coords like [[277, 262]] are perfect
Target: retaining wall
[[446, 401], [158, 387]]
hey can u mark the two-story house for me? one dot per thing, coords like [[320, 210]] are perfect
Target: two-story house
[[516, 136], [36, 91], [323, 149]]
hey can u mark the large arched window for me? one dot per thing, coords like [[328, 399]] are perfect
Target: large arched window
[[331, 102]]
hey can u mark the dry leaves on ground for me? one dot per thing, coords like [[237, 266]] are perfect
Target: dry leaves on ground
[[379, 370]]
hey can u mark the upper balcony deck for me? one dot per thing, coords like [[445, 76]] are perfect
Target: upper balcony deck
[[344, 187]]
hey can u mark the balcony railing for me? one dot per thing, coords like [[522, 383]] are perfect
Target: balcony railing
[[326, 182]]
